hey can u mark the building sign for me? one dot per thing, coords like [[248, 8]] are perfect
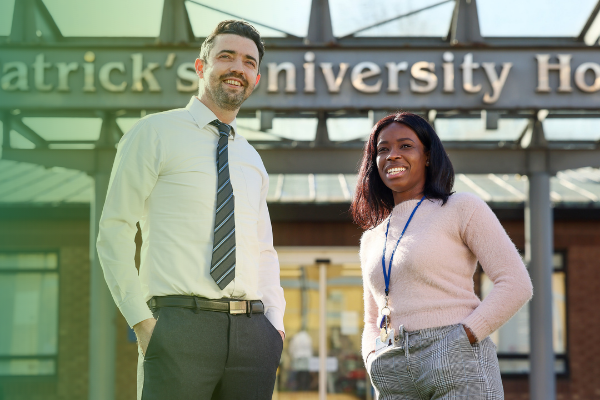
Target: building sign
[[330, 79]]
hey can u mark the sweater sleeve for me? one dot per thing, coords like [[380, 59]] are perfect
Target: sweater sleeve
[[370, 330], [499, 258]]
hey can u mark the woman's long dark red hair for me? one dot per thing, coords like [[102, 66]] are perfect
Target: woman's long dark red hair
[[373, 201]]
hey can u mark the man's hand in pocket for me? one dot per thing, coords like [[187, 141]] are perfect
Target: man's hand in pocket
[[143, 330]]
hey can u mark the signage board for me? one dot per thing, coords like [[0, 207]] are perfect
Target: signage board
[[48, 78]]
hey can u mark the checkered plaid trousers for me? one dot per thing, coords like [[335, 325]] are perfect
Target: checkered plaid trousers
[[439, 363]]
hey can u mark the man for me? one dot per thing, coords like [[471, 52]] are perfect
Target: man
[[198, 190]]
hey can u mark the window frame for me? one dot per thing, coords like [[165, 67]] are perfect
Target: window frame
[[54, 357], [520, 356]]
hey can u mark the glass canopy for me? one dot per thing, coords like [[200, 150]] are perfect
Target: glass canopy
[[23, 183], [434, 20], [552, 18], [275, 18]]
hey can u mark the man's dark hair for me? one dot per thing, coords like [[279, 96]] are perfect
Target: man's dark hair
[[373, 201], [233, 27]]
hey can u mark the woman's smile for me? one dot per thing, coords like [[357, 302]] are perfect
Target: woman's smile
[[395, 172]]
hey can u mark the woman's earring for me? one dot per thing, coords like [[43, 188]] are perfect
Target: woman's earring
[[427, 163]]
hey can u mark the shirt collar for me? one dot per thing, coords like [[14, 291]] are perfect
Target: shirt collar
[[203, 115]]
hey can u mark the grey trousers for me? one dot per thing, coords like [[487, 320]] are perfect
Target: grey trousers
[[209, 356], [437, 363]]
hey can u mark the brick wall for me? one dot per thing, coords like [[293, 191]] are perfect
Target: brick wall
[[315, 234], [581, 241]]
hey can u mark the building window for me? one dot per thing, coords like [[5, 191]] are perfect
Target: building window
[[29, 313], [512, 339]]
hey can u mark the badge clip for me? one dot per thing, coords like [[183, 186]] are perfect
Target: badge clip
[[384, 323]]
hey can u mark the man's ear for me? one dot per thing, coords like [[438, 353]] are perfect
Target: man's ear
[[257, 79], [199, 64]]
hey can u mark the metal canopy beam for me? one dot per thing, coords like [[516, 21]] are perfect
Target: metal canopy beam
[[464, 28], [465, 161], [332, 160], [28, 133], [589, 22], [320, 29], [32, 23], [175, 27], [6, 128]]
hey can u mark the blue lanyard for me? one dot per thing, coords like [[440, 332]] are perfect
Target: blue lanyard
[[386, 274]]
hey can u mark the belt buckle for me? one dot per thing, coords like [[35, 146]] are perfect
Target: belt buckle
[[237, 307]]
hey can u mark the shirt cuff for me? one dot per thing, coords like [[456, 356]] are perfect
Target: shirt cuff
[[275, 317], [478, 325], [135, 310]]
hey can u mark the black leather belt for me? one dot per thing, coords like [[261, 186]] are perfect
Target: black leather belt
[[231, 306]]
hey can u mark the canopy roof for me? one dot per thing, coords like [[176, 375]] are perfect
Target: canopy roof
[[340, 127], [30, 184], [275, 18]]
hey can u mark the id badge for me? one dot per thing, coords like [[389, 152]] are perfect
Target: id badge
[[380, 346]]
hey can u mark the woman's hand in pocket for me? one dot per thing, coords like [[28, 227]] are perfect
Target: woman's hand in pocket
[[470, 335]]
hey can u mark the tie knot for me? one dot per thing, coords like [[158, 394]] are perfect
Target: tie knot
[[223, 128]]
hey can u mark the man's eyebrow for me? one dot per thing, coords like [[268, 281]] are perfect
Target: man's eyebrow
[[251, 58]]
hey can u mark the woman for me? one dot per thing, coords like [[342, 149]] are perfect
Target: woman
[[421, 248]]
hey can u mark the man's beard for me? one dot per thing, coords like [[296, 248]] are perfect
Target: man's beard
[[223, 98]]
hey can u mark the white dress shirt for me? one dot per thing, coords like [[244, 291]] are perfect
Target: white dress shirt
[[165, 177]]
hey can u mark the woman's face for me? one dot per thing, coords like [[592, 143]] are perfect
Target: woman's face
[[401, 161]]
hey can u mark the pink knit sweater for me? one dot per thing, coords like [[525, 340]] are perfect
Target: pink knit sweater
[[431, 281]]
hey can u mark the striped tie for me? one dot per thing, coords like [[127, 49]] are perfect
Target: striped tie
[[222, 266]]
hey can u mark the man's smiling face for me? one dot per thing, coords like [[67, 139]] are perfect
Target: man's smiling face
[[231, 71]]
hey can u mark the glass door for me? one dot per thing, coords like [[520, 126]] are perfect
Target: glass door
[[324, 323]]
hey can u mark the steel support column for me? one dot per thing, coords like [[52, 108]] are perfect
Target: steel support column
[[322, 328], [539, 249], [103, 332], [103, 329]]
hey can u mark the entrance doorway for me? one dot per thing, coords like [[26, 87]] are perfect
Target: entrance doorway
[[324, 321]]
